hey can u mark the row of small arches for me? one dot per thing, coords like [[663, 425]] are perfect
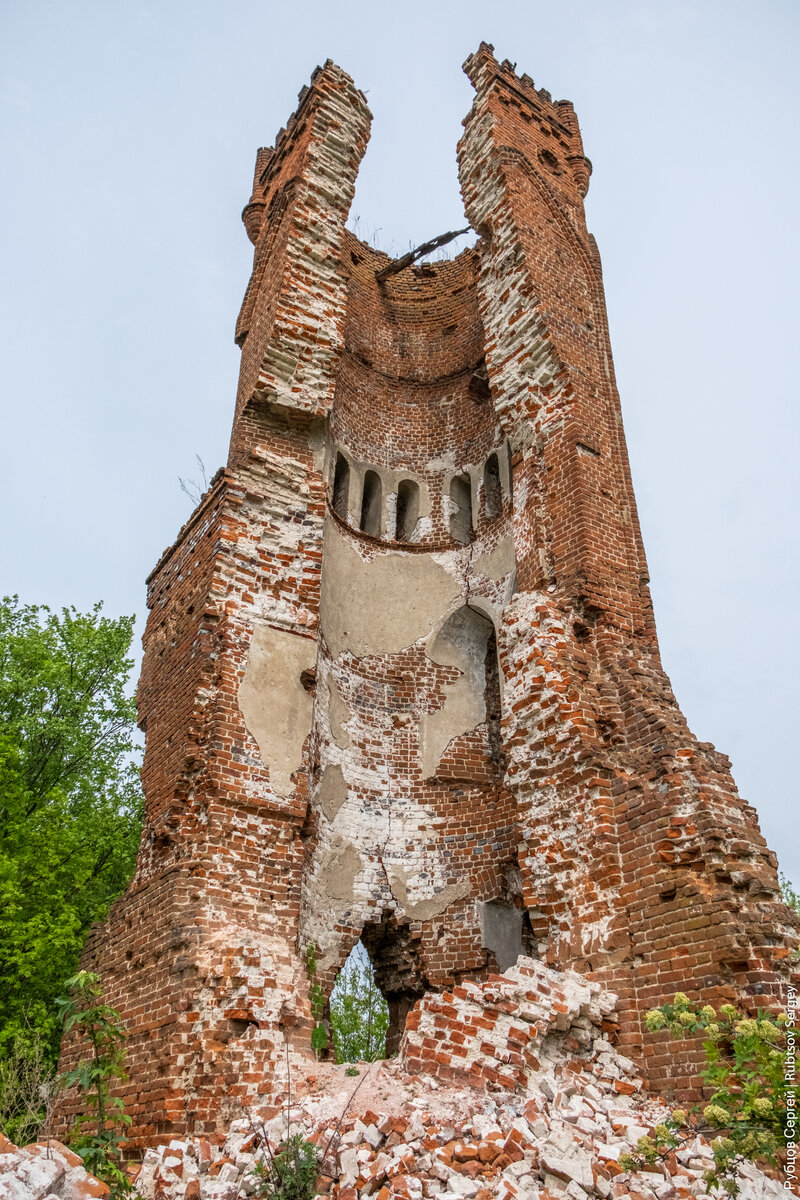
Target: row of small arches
[[407, 508]]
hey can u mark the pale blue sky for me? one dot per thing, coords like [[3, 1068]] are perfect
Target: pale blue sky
[[128, 136]]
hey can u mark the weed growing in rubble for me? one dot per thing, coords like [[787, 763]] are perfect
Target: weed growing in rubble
[[291, 1174], [99, 1145], [751, 1109], [319, 1034]]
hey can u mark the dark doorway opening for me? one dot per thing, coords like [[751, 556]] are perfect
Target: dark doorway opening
[[492, 490]]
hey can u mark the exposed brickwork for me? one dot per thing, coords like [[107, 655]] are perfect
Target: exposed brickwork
[[401, 679], [507, 1089], [640, 863]]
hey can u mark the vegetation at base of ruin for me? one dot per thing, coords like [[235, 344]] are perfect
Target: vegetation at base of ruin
[[28, 1087], [97, 1134], [291, 1173], [320, 1038], [751, 1107], [359, 1014], [70, 805]]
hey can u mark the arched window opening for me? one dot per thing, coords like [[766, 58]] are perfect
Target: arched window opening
[[359, 1014], [407, 510], [372, 504], [492, 491], [461, 516], [467, 641], [398, 972], [341, 486]]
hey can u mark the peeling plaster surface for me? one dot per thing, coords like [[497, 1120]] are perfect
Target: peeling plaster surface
[[332, 791], [497, 562], [336, 880], [339, 714], [275, 705], [382, 605], [424, 910], [460, 643]]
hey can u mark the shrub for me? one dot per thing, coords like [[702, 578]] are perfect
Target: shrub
[[746, 1113], [27, 1086], [291, 1174]]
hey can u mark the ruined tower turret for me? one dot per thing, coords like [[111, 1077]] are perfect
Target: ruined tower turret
[[401, 679]]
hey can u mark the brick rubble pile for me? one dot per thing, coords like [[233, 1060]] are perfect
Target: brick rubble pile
[[45, 1171], [506, 1089]]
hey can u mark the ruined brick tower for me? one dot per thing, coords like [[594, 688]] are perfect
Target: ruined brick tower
[[401, 679]]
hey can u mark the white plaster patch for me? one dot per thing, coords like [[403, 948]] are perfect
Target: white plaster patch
[[430, 906], [383, 604], [276, 707]]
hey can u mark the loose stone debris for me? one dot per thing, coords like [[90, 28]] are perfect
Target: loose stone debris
[[522, 1095]]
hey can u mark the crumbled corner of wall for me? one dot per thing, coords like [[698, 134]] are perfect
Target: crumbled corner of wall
[[506, 1089]]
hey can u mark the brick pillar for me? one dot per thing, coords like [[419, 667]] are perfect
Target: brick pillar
[[641, 864], [199, 954]]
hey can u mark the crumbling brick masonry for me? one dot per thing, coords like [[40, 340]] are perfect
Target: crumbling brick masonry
[[401, 679]]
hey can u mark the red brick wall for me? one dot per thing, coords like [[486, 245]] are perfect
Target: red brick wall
[[570, 786], [641, 864]]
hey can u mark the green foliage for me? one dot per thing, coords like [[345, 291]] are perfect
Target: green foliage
[[291, 1174], [791, 898], [320, 1037], [99, 1144], [70, 801], [746, 1115], [359, 1014], [27, 1087]]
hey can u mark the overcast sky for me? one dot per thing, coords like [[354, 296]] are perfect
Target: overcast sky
[[129, 132]]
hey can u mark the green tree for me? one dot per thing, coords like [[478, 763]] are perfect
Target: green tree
[[98, 1134], [790, 896], [359, 1013], [70, 801]]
